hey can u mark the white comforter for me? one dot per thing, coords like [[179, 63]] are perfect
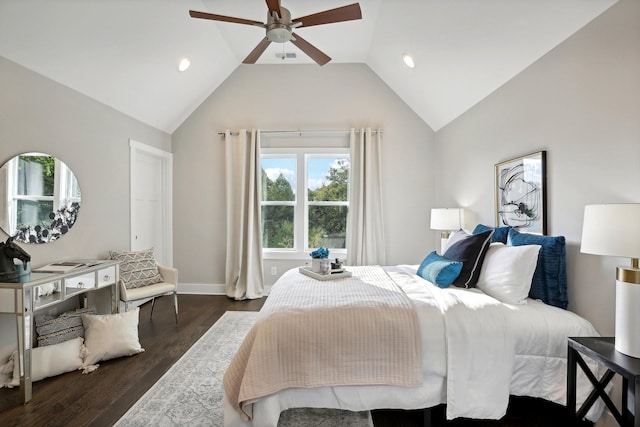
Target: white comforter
[[476, 352]]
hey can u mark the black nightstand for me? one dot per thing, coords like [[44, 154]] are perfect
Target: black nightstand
[[601, 349]]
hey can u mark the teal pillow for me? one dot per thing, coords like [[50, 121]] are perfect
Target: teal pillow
[[439, 270]]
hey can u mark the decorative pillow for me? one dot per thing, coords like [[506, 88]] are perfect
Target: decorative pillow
[[56, 359], [507, 272], [67, 326], [439, 270], [107, 336], [10, 372], [549, 282], [470, 249], [500, 234], [137, 268]]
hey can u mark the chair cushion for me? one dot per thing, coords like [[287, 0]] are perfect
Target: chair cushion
[[147, 291], [137, 268]]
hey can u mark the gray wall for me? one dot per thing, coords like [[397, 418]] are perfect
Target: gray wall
[[37, 114], [581, 103], [307, 97]]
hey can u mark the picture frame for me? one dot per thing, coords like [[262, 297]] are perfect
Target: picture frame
[[521, 197]]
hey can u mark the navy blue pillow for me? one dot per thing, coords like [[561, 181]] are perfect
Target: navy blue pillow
[[549, 282], [470, 251], [439, 270], [499, 234]]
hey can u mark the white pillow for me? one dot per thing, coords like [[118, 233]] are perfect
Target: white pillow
[[10, 372], [56, 359], [507, 272], [107, 336]]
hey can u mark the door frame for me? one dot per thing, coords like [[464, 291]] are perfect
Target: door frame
[[166, 161]]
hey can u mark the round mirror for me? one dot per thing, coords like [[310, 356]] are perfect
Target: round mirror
[[39, 197]]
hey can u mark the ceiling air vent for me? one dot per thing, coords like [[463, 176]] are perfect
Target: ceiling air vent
[[286, 55]]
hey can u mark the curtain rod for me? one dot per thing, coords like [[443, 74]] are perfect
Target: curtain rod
[[317, 132]]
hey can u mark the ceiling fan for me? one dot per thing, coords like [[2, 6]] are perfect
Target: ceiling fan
[[280, 26]]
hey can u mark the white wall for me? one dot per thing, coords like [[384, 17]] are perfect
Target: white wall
[[273, 97], [581, 103]]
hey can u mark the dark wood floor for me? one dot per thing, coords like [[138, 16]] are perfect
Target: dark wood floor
[[102, 397]]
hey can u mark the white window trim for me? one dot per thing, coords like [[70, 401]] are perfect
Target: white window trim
[[62, 188], [300, 209]]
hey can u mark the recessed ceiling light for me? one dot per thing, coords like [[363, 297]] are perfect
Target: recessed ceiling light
[[184, 64], [408, 60]]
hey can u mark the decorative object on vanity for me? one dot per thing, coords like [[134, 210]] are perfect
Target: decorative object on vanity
[[141, 277], [280, 26], [42, 199], [9, 251], [446, 220], [614, 230], [521, 193]]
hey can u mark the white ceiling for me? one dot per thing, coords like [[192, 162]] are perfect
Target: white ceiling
[[124, 53]]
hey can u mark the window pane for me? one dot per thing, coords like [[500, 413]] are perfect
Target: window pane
[[327, 226], [278, 179], [36, 175], [277, 227], [327, 179], [34, 212]]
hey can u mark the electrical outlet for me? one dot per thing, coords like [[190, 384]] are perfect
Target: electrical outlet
[[274, 271]]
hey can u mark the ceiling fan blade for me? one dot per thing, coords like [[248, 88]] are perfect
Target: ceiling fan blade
[[312, 51], [274, 6], [257, 51], [214, 17], [339, 14]]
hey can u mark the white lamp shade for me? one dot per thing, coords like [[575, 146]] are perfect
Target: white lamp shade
[[447, 218], [612, 230]]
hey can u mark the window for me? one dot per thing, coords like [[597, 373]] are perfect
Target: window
[[304, 200]]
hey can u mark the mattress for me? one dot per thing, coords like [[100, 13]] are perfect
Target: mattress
[[516, 350]]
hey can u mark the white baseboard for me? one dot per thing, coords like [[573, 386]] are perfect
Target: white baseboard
[[202, 289], [207, 289]]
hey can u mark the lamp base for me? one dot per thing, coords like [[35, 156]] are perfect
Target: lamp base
[[627, 317]]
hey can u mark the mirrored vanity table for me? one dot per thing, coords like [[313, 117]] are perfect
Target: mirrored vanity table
[[43, 290]]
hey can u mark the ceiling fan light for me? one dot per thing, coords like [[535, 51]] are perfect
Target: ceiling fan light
[[278, 33], [184, 64], [408, 60]]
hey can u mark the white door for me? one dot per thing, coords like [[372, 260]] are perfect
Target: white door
[[151, 201]]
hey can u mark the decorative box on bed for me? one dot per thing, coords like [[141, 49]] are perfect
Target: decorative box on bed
[[471, 350]]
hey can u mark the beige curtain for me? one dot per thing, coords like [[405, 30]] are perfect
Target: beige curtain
[[365, 232], [244, 271]]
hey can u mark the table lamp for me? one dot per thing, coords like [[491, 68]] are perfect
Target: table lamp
[[614, 230], [446, 220]]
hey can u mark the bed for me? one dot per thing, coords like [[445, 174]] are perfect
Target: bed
[[387, 338]]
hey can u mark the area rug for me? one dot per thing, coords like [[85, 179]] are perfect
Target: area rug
[[190, 393]]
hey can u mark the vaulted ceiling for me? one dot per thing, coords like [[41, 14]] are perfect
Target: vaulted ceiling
[[124, 53]]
